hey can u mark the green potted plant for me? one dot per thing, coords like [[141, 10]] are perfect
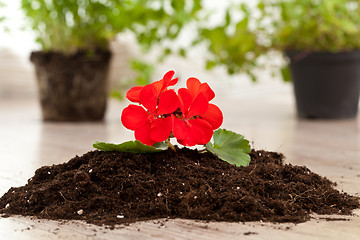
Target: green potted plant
[[319, 38], [72, 66]]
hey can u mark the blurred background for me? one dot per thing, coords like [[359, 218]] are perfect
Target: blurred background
[[246, 50], [286, 74], [18, 40], [238, 46]]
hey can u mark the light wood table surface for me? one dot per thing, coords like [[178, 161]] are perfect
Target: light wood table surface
[[265, 115]]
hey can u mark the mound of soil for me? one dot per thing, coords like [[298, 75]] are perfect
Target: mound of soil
[[112, 187]]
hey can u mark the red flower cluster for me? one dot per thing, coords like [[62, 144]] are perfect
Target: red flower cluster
[[188, 115]]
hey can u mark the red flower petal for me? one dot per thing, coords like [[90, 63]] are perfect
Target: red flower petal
[[163, 84], [185, 99], [173, 82], [143, 134], [158, 86], [149, 98], [179, 129], [195, 87], [209, 93], [161, 129], [168, 102], [199, 106], [167, 78], [213, 116], [192, 132], [134, 94], [200, 131], [193, 84], [134, 116]]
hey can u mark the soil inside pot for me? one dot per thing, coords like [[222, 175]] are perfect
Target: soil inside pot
[[114, 188], [72, 87]]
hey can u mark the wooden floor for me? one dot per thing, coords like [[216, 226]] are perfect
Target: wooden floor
[[264, 114]]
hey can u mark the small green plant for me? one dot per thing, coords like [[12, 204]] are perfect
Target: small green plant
[[188, 116], [69, 25], [281, 25]]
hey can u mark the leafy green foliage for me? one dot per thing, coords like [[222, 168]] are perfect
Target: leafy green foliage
[[69, 25], [2, 5], [144, 72], [232, 44], [130, 146], [230, 147], [117, 94], [330, 25], [281, 25], [286, 73]]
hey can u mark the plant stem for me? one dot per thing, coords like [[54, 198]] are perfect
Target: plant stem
[[170, 145], [202, 150]]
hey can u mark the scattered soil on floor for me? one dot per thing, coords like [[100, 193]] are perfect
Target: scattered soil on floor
[[112, 188]]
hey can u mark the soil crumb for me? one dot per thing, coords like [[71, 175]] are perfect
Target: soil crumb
[[116, 188], [249, 233]]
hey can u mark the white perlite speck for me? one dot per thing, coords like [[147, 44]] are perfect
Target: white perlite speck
[[120, 216], [80, 212], [7, 205], [159, 194]]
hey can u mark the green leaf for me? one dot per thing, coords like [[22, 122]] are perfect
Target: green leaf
[[261, 6], [230, 147], [227, 18], [116, 94], [182, 52], [286, 74], [210, 64], [130, 146]]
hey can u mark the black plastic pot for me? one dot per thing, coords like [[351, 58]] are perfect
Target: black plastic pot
[[72, 87], [326, 85]]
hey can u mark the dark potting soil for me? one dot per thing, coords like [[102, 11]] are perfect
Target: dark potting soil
[[112, 187], [72, 87]]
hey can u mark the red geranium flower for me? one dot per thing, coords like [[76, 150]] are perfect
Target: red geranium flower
[[188, 116], [155, 124], [195, 87], [197, 119], [213, 115], [160, 86]]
